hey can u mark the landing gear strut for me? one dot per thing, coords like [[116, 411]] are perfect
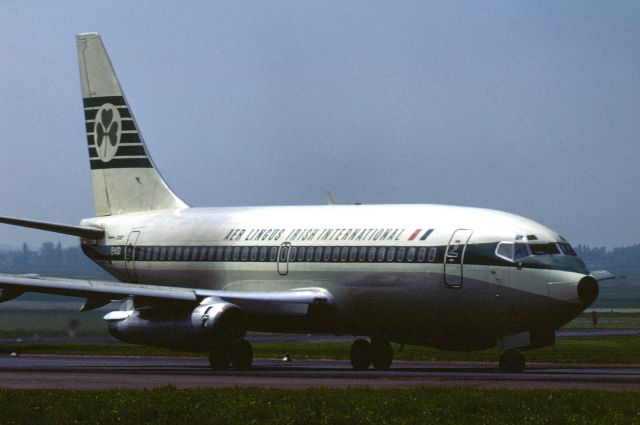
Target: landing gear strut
[[237, 355], [378, 353], [512, 361]]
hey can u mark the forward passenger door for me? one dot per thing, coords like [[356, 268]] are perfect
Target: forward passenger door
[[454, 258]]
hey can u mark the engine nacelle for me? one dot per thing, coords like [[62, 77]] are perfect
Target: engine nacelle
[[178, 329]]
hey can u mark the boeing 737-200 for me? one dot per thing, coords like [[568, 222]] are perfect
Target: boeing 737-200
[[197, 279]]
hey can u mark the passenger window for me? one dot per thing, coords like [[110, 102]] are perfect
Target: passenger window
[[411, 254], [194, 253], [156, 251], [293, 251], [284, 253], [391, 253], [170, 253], [148, 254], [227, 253], [401, 254], [203, 253], [335, 256], [433, 251], [301, 252], [219, 253], [212, 253], [163, 253], [186, 252], [422, 254], [381, 252], [236, 253], [362, 255], [372, 254], [344, 254], [245, 253], [318, 254], [273, 256], [353, 254], [263, 253], [254, 253], [310, 254]]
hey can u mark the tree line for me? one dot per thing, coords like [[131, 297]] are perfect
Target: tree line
[[50, 258], [626, 258]]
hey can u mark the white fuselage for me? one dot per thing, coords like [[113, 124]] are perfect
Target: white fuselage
[[423, 274]]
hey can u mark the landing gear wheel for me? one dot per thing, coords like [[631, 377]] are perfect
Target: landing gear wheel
[[360, 354], [241, 355], [219, 358], [512, 361], [381, 353]]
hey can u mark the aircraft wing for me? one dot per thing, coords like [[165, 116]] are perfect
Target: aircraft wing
[[100, 293], [600, 275]]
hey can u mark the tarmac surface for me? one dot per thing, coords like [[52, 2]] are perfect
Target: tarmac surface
[[296, 338], [94, 372]]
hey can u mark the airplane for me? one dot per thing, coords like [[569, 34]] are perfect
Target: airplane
[[198, 279]]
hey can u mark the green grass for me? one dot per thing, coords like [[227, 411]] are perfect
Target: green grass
[[617, 350], [319, 406], [606, 321]]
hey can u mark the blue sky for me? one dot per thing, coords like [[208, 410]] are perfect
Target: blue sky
[[531, 107]]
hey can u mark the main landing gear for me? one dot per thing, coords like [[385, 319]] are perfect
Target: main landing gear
[[237, 355], [377, 353], [512, 361]]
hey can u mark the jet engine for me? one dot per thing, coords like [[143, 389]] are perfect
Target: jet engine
[[181, 329]]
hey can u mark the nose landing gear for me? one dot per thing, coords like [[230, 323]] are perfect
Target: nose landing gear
[[378, 353]]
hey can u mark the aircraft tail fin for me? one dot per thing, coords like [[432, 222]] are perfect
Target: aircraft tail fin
[[124, 176]]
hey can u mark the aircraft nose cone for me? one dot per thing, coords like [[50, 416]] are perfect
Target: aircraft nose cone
[[588, 290]]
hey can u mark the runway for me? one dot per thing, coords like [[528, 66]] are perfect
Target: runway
[[84, 372]]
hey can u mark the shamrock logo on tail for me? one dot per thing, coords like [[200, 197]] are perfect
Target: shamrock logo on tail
[[107, 131]]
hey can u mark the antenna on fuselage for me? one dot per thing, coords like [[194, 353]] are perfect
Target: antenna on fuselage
[[330, 198]]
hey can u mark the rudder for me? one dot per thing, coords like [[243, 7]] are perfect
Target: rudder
[[124, 177]]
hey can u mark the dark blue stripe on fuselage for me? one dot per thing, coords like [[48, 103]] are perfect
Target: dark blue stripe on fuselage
[[475, 254]]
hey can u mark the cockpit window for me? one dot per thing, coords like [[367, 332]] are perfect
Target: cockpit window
[[505, 250], [544, 248], [521, 251], [567, 249], [511, 251]]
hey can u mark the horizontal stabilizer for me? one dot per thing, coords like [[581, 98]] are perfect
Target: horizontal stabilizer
[[81, 231]]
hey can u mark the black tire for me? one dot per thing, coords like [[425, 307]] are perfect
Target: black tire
[[219, 358], [241, 355], [381, 354], [360, 354]]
